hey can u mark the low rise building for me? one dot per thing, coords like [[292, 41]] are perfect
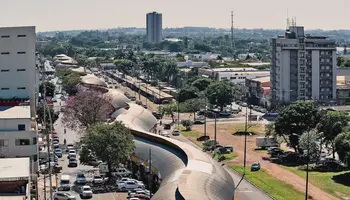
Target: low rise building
[[15, 179], [18, 134], [343, 94], [258, 91], [234, 75]]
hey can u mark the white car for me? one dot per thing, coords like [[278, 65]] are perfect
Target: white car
[[63, 196], [86, 192], [165, 134], [133, 198], [81, 179], [129, 185], [98, 179]]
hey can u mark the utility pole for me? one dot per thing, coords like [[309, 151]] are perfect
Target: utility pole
[[307, 167], [245, 140], [205, 116], [232, 40], [150, 172], [215, 131]]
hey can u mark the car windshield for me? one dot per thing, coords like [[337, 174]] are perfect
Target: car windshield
[[81, 176], [255, 164], [97, 177], [86, 189]]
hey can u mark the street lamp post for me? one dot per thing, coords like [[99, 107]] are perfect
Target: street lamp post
[[205, 116], [307, 167], [215, 130]]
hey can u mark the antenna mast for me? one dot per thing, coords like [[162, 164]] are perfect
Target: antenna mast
[[232, 40], [288, 21]]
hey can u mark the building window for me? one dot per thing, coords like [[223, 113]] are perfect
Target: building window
[[21, 70], [21, 88], [21, 127], [5, 88], [34, 140], [5, 70], [5, 36], [5, 53], [22, 142], [21, 35], [35, 158], [232, 77], [4, 143], [21, 52]]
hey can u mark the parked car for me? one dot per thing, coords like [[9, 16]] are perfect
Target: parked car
[[129, 185], [58, 152], [81, 179], [97, 179], [255, 167], [64, 183], [86, 192], [73, 163], [63, 196], [176, 132], [157, 115], [70, 147], [203, 138], [165, 134]]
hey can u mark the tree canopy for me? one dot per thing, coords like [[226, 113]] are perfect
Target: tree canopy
[[221, 94], [85, 109], [202, 83], [111, 143], [69, 80], [40, 113], [187, 93], [50, 88]]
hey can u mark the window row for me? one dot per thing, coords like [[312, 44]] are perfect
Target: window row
[[19, 88], [19, 70], [18, 142], [8, 53], [8, 36]]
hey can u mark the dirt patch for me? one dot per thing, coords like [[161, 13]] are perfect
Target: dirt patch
[[225, 137]]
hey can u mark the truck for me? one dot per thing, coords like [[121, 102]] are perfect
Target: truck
[[265, 142]]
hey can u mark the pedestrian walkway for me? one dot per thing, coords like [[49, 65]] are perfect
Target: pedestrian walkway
[[42, 184]]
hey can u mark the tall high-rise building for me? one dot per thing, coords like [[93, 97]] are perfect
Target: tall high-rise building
[[17, 63], [154, 27], [303, 67]]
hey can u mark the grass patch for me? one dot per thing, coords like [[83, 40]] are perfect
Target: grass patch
[[271, 185], [258, 129], [228, 157], [191, 135], [323, 180]]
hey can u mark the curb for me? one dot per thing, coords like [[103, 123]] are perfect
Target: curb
[[236, 172]]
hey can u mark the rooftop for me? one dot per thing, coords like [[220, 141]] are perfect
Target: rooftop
[[13, 169], [15, 112], [264, 79], [232, 69]]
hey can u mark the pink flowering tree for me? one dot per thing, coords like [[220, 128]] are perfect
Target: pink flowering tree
[[85, 109]]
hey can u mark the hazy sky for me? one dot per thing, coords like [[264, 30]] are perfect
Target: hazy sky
[[92, 14]]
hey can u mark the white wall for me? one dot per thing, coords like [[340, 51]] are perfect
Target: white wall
[[10, 149], [13, 79], [241, 76], [315, 57], [12, 124]]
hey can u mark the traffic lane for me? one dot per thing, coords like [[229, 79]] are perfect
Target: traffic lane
[[71, 136]]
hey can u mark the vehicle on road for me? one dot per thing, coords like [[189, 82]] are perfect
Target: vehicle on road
[[165, 134], [176, 132], [65, 183], [81, 179], [72, 154], [63, 196], [255, 167], [97, 179], [203, 138], [73, 163], [266, 142], [129, 185], [70, 147], [58, 152], [86, 192], [133, 198], [121, 172], [199, 120]]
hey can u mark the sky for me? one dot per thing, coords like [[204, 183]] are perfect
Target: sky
[[52, 15]]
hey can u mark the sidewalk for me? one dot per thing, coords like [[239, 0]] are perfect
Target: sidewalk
[[47, 188]]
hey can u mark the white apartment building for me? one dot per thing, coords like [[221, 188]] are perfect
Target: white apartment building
[[18, 135], [234, 75], [154, 26], [303, 67], [17, 63]]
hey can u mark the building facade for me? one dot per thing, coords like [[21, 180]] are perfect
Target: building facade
[[258, 91], [17, 63], [154, 27], [234, 75], [18, 135], [303, 67]]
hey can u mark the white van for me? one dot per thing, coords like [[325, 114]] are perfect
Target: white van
[[65, 184], [116, 171]]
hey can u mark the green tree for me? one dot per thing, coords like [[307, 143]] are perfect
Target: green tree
[[193, 106], [187, 93], [113, 144], [125, 66], [202, 83], [50, 88], [174, 47], [342, 146], [332, 124], [48, 110], [309, 142], [70, 82], [295, 119], [221, 94], [187, 124], [169, 109]]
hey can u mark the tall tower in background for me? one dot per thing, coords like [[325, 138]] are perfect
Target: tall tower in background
[[232, 40], [154, 27]]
